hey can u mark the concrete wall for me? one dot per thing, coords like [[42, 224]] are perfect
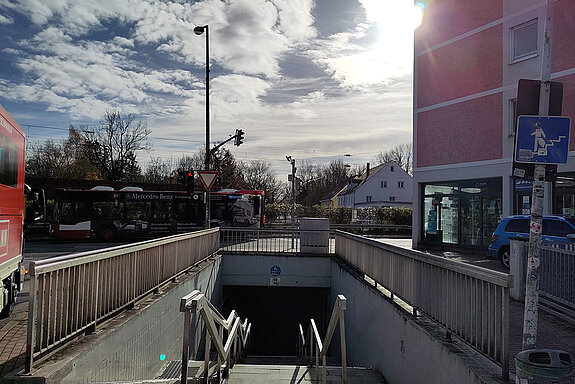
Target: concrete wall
[[294, 271], [404, 349], [130, 346]]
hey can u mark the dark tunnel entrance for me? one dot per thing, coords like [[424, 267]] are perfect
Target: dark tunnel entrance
[[275, 313]]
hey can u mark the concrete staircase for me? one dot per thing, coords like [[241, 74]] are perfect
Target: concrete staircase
[[263, 370]]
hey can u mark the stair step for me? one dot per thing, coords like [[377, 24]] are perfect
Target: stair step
[[269, 374]]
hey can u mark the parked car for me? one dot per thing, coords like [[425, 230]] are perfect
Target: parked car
[[555, 229]]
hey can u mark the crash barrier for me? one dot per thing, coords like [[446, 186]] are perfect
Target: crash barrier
[[468, 301], [70, 294]]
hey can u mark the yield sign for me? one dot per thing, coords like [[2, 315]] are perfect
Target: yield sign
[[208, 178]]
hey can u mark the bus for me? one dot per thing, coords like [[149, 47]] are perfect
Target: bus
[[106, 214], [12, 145]]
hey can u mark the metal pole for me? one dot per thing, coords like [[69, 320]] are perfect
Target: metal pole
[[292, 202], [533, 261], [207, 164]]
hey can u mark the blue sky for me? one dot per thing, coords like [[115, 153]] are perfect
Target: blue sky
[[310, 79]]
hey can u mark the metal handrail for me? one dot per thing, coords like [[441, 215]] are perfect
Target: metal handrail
[[71, 294], [237, 339], [470, 302], [318, 348]]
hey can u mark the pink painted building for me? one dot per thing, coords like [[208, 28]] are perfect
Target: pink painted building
[[469, 57]]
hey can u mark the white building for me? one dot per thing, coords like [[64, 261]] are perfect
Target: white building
[[386, 185]]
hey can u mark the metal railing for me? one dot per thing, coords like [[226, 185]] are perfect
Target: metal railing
[[274, 241], [468, 301], [316, 347], [70, 294], [557, 279], [237, 335]]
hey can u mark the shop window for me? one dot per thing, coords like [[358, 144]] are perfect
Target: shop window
[[524, 41]]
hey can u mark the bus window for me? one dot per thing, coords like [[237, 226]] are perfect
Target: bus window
[[8, 162], [138, 210], [162, 210]]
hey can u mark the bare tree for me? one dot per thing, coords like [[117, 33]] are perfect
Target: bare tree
[[160, 171], [402, 154], [64, 159], [112, 146], [259, 175]]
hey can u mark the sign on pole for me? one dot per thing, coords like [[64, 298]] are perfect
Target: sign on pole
[[542, 140], [208, 178]]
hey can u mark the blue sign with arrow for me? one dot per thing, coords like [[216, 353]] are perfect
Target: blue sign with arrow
[[542, 139]]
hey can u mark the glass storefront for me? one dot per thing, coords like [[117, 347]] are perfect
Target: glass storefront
[[462, 212], [564, 195]]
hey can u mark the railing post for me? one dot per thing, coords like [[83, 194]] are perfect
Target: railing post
[[186, 345], [31, 326], [207, 358], [343, 348]]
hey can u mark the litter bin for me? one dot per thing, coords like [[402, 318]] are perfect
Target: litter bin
[[543, 366]]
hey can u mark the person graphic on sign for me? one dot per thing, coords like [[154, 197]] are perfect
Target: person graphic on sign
[[539, 140]]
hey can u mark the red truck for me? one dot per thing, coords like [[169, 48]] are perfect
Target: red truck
[[12, 208]]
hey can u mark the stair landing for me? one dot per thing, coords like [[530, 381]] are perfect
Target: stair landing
[[301, 374]]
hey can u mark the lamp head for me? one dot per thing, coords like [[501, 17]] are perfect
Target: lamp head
[[288, 158], [199, 30]]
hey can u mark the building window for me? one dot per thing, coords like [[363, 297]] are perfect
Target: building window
[[400, 184], [391, 168], [368, 199], [512, 112], [391, 198], [524, 41], [383, 184]]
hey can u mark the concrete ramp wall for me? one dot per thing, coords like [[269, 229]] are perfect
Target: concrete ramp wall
[[405, 349]]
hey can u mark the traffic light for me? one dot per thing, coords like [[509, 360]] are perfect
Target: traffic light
[[189, 181], [239, 137]]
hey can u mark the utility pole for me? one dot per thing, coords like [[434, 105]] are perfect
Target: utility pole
[[533, 261], [293, 171]]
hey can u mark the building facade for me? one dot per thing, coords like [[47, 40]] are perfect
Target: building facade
[[386, 185], [469, 57]]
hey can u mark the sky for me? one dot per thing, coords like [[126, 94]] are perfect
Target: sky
[[312, 79]]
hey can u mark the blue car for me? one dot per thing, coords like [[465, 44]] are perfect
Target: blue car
[[555, 229]]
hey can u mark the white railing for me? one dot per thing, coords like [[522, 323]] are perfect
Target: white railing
[[237, 335], [468, 301], [276, 240], [556, 276], [70, 294], [316, 347]]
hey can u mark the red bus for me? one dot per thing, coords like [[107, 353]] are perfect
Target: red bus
[[12, 145], [105, 213]]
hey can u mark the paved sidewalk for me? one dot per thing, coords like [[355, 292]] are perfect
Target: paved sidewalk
[[13, 337]]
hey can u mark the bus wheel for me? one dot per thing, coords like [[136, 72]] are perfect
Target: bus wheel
[[106, 234]]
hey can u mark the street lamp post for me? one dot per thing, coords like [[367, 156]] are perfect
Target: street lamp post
[[293, 170], [199, 31]]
